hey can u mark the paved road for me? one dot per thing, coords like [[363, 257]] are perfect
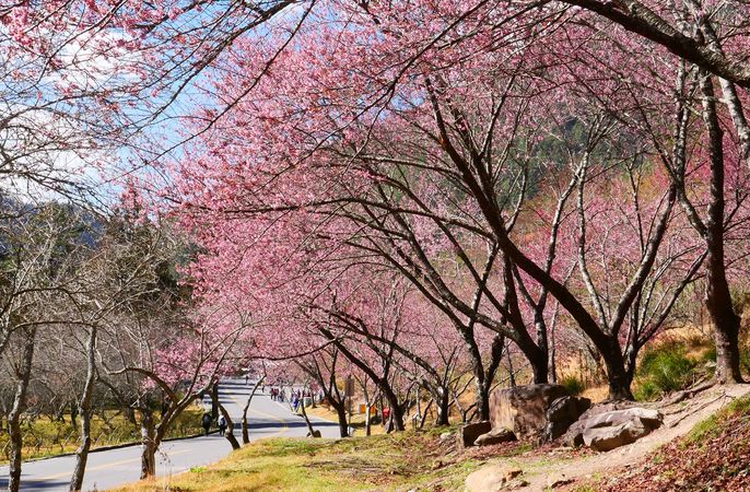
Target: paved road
[[107, 469]]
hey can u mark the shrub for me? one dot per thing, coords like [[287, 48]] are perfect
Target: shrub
[[572, 384], [663, 369], [646, 390]]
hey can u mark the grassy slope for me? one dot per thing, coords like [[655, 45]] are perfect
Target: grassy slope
[[405, 461], [358, 420], [714, 456]]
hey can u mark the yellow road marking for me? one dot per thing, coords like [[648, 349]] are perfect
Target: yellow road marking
[[104, 467], [264, 414]]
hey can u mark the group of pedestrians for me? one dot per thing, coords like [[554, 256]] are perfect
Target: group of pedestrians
[[298, 397], [207, 420], [278, 394]]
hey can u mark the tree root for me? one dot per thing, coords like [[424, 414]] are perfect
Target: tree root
[[699, 387], [696, 410]]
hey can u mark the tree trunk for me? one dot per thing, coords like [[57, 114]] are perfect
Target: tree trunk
[[535, 353], [511, 371], [726, 327], [443, 408], [148, 444], [542, 357], [397, 413], [477, 369], [631, 359], [229, 434], [726, 323], [483, 400], [214, 400], [341, 414], [617, 376], [73, 413], [310, 429], [484, 378], [425, 414], [130, 415], [539, 366], [368, 416], [19, 405], [82, 453], [418, 402], [551, 355], [389, 424], [245, 434]]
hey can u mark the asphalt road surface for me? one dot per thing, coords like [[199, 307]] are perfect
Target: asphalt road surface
[[107, 469]]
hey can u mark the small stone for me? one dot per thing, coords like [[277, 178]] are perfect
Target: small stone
[[495, 436], [492, 478], [512, 473], [561, 449], [468, 433], [558, 480], [445, 436]]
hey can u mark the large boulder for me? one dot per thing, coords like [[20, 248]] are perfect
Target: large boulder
[[574, 434], [468, 434], [493, 478], [523, 409], [562, 413], [608, 438], [611, 429], [495, 436]]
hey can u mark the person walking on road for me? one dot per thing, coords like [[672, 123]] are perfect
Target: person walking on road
[[222, 425], [206, 422]]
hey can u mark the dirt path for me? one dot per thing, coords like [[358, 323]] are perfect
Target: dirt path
[[679, 419]]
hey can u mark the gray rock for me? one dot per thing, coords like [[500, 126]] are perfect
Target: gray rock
[[608, 438], [523, 409], [468, 433], [562, 414], [495, 436], [609, 430]]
